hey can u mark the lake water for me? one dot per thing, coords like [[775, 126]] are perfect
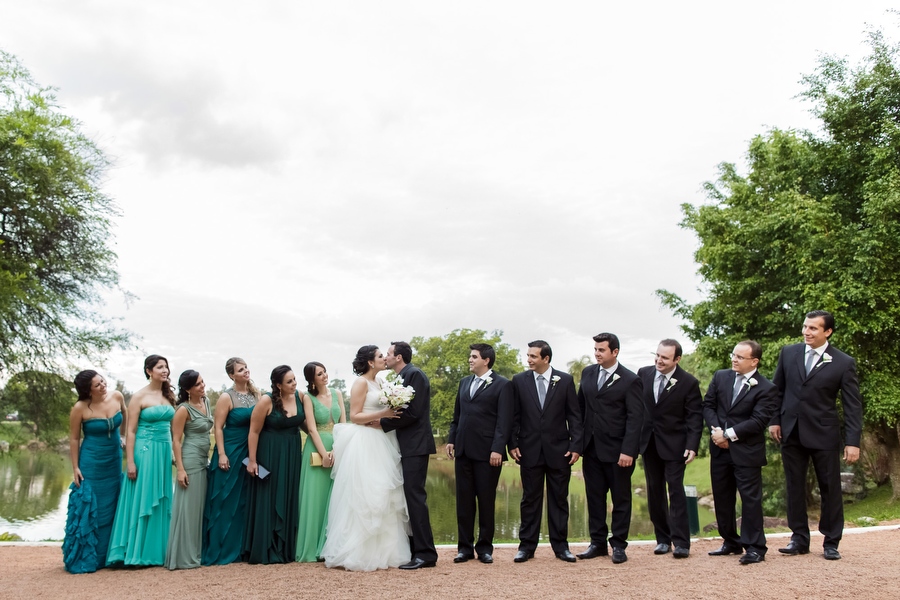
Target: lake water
[[34, 489]]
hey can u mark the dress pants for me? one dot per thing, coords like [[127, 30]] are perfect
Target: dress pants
[[727, 479], [476, 482], [557, 480], [827, 465], [415, 471], [599, 478], [669, 518]]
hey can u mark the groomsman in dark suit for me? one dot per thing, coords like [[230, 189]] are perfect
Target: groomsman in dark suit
[[669, 441], [808, 427], [546, 442], [738, 406], [479, 433], [610, 401], [416, 445]]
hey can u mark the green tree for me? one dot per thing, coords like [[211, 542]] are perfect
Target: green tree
[[42, 399], [815, 224], [55, 252], [445, 360], [576, 366]]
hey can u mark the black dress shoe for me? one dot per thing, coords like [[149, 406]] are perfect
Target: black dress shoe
[[751, 558], [593, 551], [462, 557], [417, 563], [566, 556], [725, 550], [522, 556], [486, 558], [661, 549], [832, 554], [619, 556], [794, 549], [681, 552]]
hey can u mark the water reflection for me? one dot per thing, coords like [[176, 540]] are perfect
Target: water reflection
[[34, 495]]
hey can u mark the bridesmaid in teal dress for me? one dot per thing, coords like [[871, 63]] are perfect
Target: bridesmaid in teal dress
[[323, 407], [193, 419], [225, 515], [274, 444], [97, 470], [140, 531]]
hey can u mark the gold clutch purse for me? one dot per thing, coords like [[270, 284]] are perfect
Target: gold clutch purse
[[315, 459]]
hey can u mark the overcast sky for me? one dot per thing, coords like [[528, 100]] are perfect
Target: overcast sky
[[298, 179]]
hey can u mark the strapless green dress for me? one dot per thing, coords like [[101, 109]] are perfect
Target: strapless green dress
[[140, 531]]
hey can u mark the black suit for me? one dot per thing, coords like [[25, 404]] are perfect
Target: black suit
[[416, 444], [481, 425], [671, 426], [811, 430], [544, 436], [613, 416], [739, 467]]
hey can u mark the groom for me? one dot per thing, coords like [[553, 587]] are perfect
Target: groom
[[416, 445]]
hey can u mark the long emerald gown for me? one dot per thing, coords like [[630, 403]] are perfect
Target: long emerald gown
[[225, 516], [272, 509], [140, 530], [186, 531], [92, 505], [315, 484]]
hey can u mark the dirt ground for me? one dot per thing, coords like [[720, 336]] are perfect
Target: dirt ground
[[870, 569]]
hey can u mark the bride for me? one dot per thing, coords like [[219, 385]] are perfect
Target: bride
[[367, 526]]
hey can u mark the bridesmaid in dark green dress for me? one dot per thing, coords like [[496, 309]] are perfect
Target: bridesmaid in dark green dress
[[193, 420], [323, 407], [225, 516], [274, 444], [97, 472]]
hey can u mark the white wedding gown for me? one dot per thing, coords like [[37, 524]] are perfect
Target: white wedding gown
[[368, 524]]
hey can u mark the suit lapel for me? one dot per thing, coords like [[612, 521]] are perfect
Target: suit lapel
[[819, 365], [551, 388], [800, 360], [468, 384], [531, 388], [745, 390]]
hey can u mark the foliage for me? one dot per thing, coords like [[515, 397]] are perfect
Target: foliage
[[576, 366], [42, 399], [55, 247], [815, 224], [445, 361]]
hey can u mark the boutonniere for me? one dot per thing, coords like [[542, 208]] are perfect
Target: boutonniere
[[615, 378], [672, 383], [751, 382], [826, 358], [554, 380], [488, 380]]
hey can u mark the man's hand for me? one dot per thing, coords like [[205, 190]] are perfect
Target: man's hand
[[625, 460], [851, 454], [718, 438], [775, 432], [376, 424], [515, 454], [496, 459], [573, 457], [689, 455], [450, 450]]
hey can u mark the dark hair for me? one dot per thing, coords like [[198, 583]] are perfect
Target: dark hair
[[755, 348], [826, 316], [670, 343], [186, 381], [84, 381], [610, 338], [363, 356], [167, 391], [486, 351], [546, 352], [277, 378], [309, 374], [403, 350], [229, 370]]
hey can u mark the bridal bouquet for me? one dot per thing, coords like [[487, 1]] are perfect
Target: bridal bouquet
[[395, 394]]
